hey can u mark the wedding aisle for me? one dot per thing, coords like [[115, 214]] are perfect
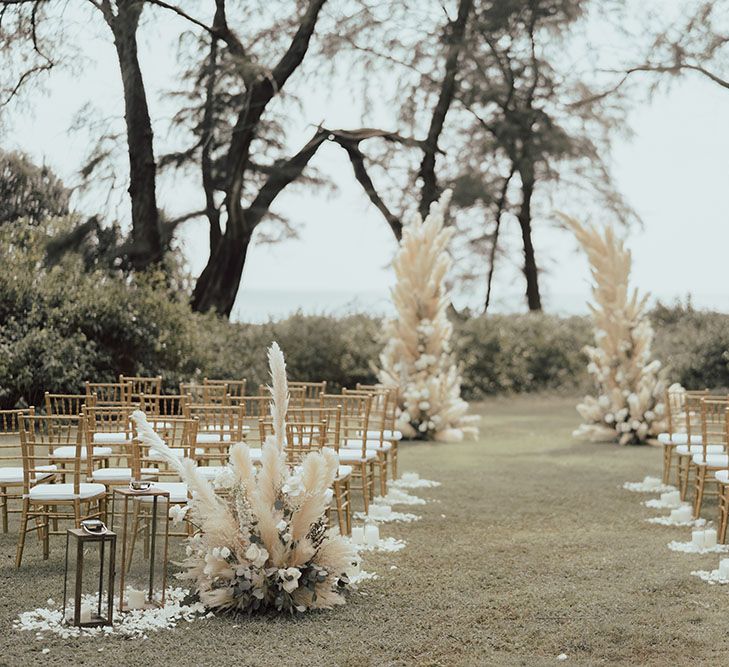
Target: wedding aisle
[[528, 551]]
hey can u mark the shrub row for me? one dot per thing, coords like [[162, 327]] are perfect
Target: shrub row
[[60, 326]]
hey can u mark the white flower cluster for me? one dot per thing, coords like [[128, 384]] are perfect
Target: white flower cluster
[[628, 406], [417, 357]]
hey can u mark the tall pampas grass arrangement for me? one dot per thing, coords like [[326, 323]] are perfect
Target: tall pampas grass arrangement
[[266, 544], [417, 357], [628, 407]]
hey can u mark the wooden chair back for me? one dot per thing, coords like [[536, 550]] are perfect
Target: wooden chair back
[[110, 393], [355, 415], [67, 404], [205, 394], [179, 433], [10, 450], [312, 391], [232, 387], [142, 385], [170, 405]]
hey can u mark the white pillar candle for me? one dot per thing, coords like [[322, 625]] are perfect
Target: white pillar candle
[[697, 538], [372, 534], [709, 538], [85, 613], [354, 569], [410, 477], [358, 534], [724, 568], [135, 599], [682, 514]]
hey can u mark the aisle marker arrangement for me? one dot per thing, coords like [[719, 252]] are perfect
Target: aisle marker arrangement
[[628, 407]]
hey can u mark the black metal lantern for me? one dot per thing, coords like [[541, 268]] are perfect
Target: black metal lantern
[[88, 582], [140, 514]]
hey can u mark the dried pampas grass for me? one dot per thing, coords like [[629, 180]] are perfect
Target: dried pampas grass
[[267, 545], [417, 358], [628, 407]]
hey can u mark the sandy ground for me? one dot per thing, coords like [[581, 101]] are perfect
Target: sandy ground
[[529, 549]]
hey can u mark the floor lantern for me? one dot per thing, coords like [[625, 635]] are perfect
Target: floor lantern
[[140, 515], [88, 582]]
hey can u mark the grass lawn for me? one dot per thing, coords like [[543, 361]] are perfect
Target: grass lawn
[[529, 549]]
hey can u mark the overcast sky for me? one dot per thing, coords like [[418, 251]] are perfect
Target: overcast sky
[[673, 171]]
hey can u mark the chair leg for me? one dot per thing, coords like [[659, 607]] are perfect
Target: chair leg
[[382, 465], [394, 459], [46, 530], [667, 458], [4, 492], [685, 466], [723, 512], [348, 504], [700, 482], [365, 486], [23, 531], [340, 507]]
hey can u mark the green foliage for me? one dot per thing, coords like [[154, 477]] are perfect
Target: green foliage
[[28, 191], [519, 353]]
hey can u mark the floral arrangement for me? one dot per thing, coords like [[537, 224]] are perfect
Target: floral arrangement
[[417, 358], [629, 405], [265, 544]]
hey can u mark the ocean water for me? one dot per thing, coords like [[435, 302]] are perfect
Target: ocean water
[[259, 306]]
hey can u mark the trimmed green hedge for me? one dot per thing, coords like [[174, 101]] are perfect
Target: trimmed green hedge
[[60, 326]]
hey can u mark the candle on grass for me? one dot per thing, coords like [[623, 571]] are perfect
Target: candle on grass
[[86, 613], [698, 538], [372, 534], [410, 477], [135, 599], [358, 534], [724, 568], [682, 514], [709, 538]]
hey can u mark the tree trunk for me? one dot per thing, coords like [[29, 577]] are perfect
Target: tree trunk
[[500, 206], [217, 286], [147, 237], [534, 300]]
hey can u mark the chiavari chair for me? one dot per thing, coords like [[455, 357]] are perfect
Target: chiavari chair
[[205, 394], [355, 415], [232, 387], [41, 499], [163, 405], [312, 391], [386, 449], [218, 428], [67, 404], [685, 452], [707, 463], [676, 436], [722, 479], [113, 394], [297, 395], [11, 474], [142, 385]]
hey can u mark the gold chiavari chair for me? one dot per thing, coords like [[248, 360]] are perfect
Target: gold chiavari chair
[[255, 408], [67, 404], [312, 391], [296, 395], [685, 452], [164, 405], [386, 449], [205, 394], [11, 458], [232, 387], [355, 415], [676, 436], [142, 385], [707, 463], [179, 434], [110, 393], [42, 499], [111, 426], [218, 428], [722, 481]]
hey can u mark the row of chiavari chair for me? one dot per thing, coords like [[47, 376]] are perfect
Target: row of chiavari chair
[[696, 450], [67, 461]]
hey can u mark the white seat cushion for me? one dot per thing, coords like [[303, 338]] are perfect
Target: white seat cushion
[[699, 449], [212, 438], [713, 460], [678, 439], [722, 476], [344, 471], [375, 445], [51, 492], [387, 434], [177, 491], [255, 454], [69, 452], [119, 474], [178, 451], [15, 475], [355, 455], [112, 438]]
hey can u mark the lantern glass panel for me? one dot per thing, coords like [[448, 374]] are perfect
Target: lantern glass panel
[[89, 578], [141, 519]]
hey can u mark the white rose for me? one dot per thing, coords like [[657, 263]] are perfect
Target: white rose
[[289, 578], [281, 526]]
